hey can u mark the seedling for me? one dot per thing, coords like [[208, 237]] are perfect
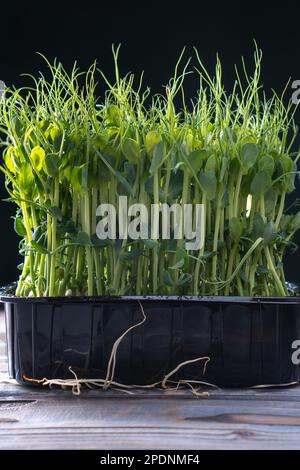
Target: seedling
[[66, 152]]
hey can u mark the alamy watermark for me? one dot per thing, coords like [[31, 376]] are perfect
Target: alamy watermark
[[296, 93], [179, 222], [296, 353], [2, 90]]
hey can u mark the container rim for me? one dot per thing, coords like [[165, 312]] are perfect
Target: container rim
[[7, 296]]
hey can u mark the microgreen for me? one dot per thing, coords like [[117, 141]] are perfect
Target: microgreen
[[66, 151]]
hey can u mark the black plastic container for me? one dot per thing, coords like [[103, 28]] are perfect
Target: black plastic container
[[249, 340]]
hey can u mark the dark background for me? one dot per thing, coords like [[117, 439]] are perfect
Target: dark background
[[152, 36]]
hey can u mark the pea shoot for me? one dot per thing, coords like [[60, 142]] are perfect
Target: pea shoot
[[65, 151]]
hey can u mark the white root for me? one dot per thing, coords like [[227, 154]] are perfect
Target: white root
[[112, 360], [191, 361]]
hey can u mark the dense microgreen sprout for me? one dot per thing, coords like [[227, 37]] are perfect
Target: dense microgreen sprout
[[65, 152]]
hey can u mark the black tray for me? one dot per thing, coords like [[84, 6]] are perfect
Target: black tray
[[249, 340]]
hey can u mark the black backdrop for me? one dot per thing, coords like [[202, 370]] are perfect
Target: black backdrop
[[152, 35]]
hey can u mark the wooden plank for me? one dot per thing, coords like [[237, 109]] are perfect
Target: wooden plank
[[129, 423], [155, 438], [253, 397]]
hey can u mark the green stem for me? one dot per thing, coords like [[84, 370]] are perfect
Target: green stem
[[215, 240], [55, 202], [252, 273], [29, 238], [88, 249], [281, 288], [243, 260], [201, 252], [280, 210], [237, 194], [99, 289], [231, 259], [155, 230]]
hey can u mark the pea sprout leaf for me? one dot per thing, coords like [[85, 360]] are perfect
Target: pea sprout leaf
[[235, 229], [248, 155], [158, 157], [261, 183], [51, 165], [197, 158], [208, 183], [131, 150], [37, 157], [19, 227]]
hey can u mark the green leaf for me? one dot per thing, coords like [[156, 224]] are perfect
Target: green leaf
[[269, 233], [178, 265], [103, 173], [66, 226], [211, 164], [19, 227], [266, 164], [158, 157], [114, 116], [295, 224], [99, 243], [56, 213], [83, 239], [37, 157], [258, 226], [51, 164], [234, 167], [126, 255], [151, 140], [225, 199], [287, 164], [38, 234], [54, 131], [208, 254], [131, 150], [197, 158], [269, 206], [208, 183], [184, 279], [9, 161], [289, 168], [285, 222], [149, 243], [39, 184], [175, 186], [39, 247], [57, 141], [19, 130], [80, 178], [271, 195], [124, 183], [249, 154], [75, 179], [235, 229], [168, 279], [130, 172], [260, 184], [26, 178], [181, 254]]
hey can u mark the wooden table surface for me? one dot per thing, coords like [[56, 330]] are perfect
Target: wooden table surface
[[228, 419]]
